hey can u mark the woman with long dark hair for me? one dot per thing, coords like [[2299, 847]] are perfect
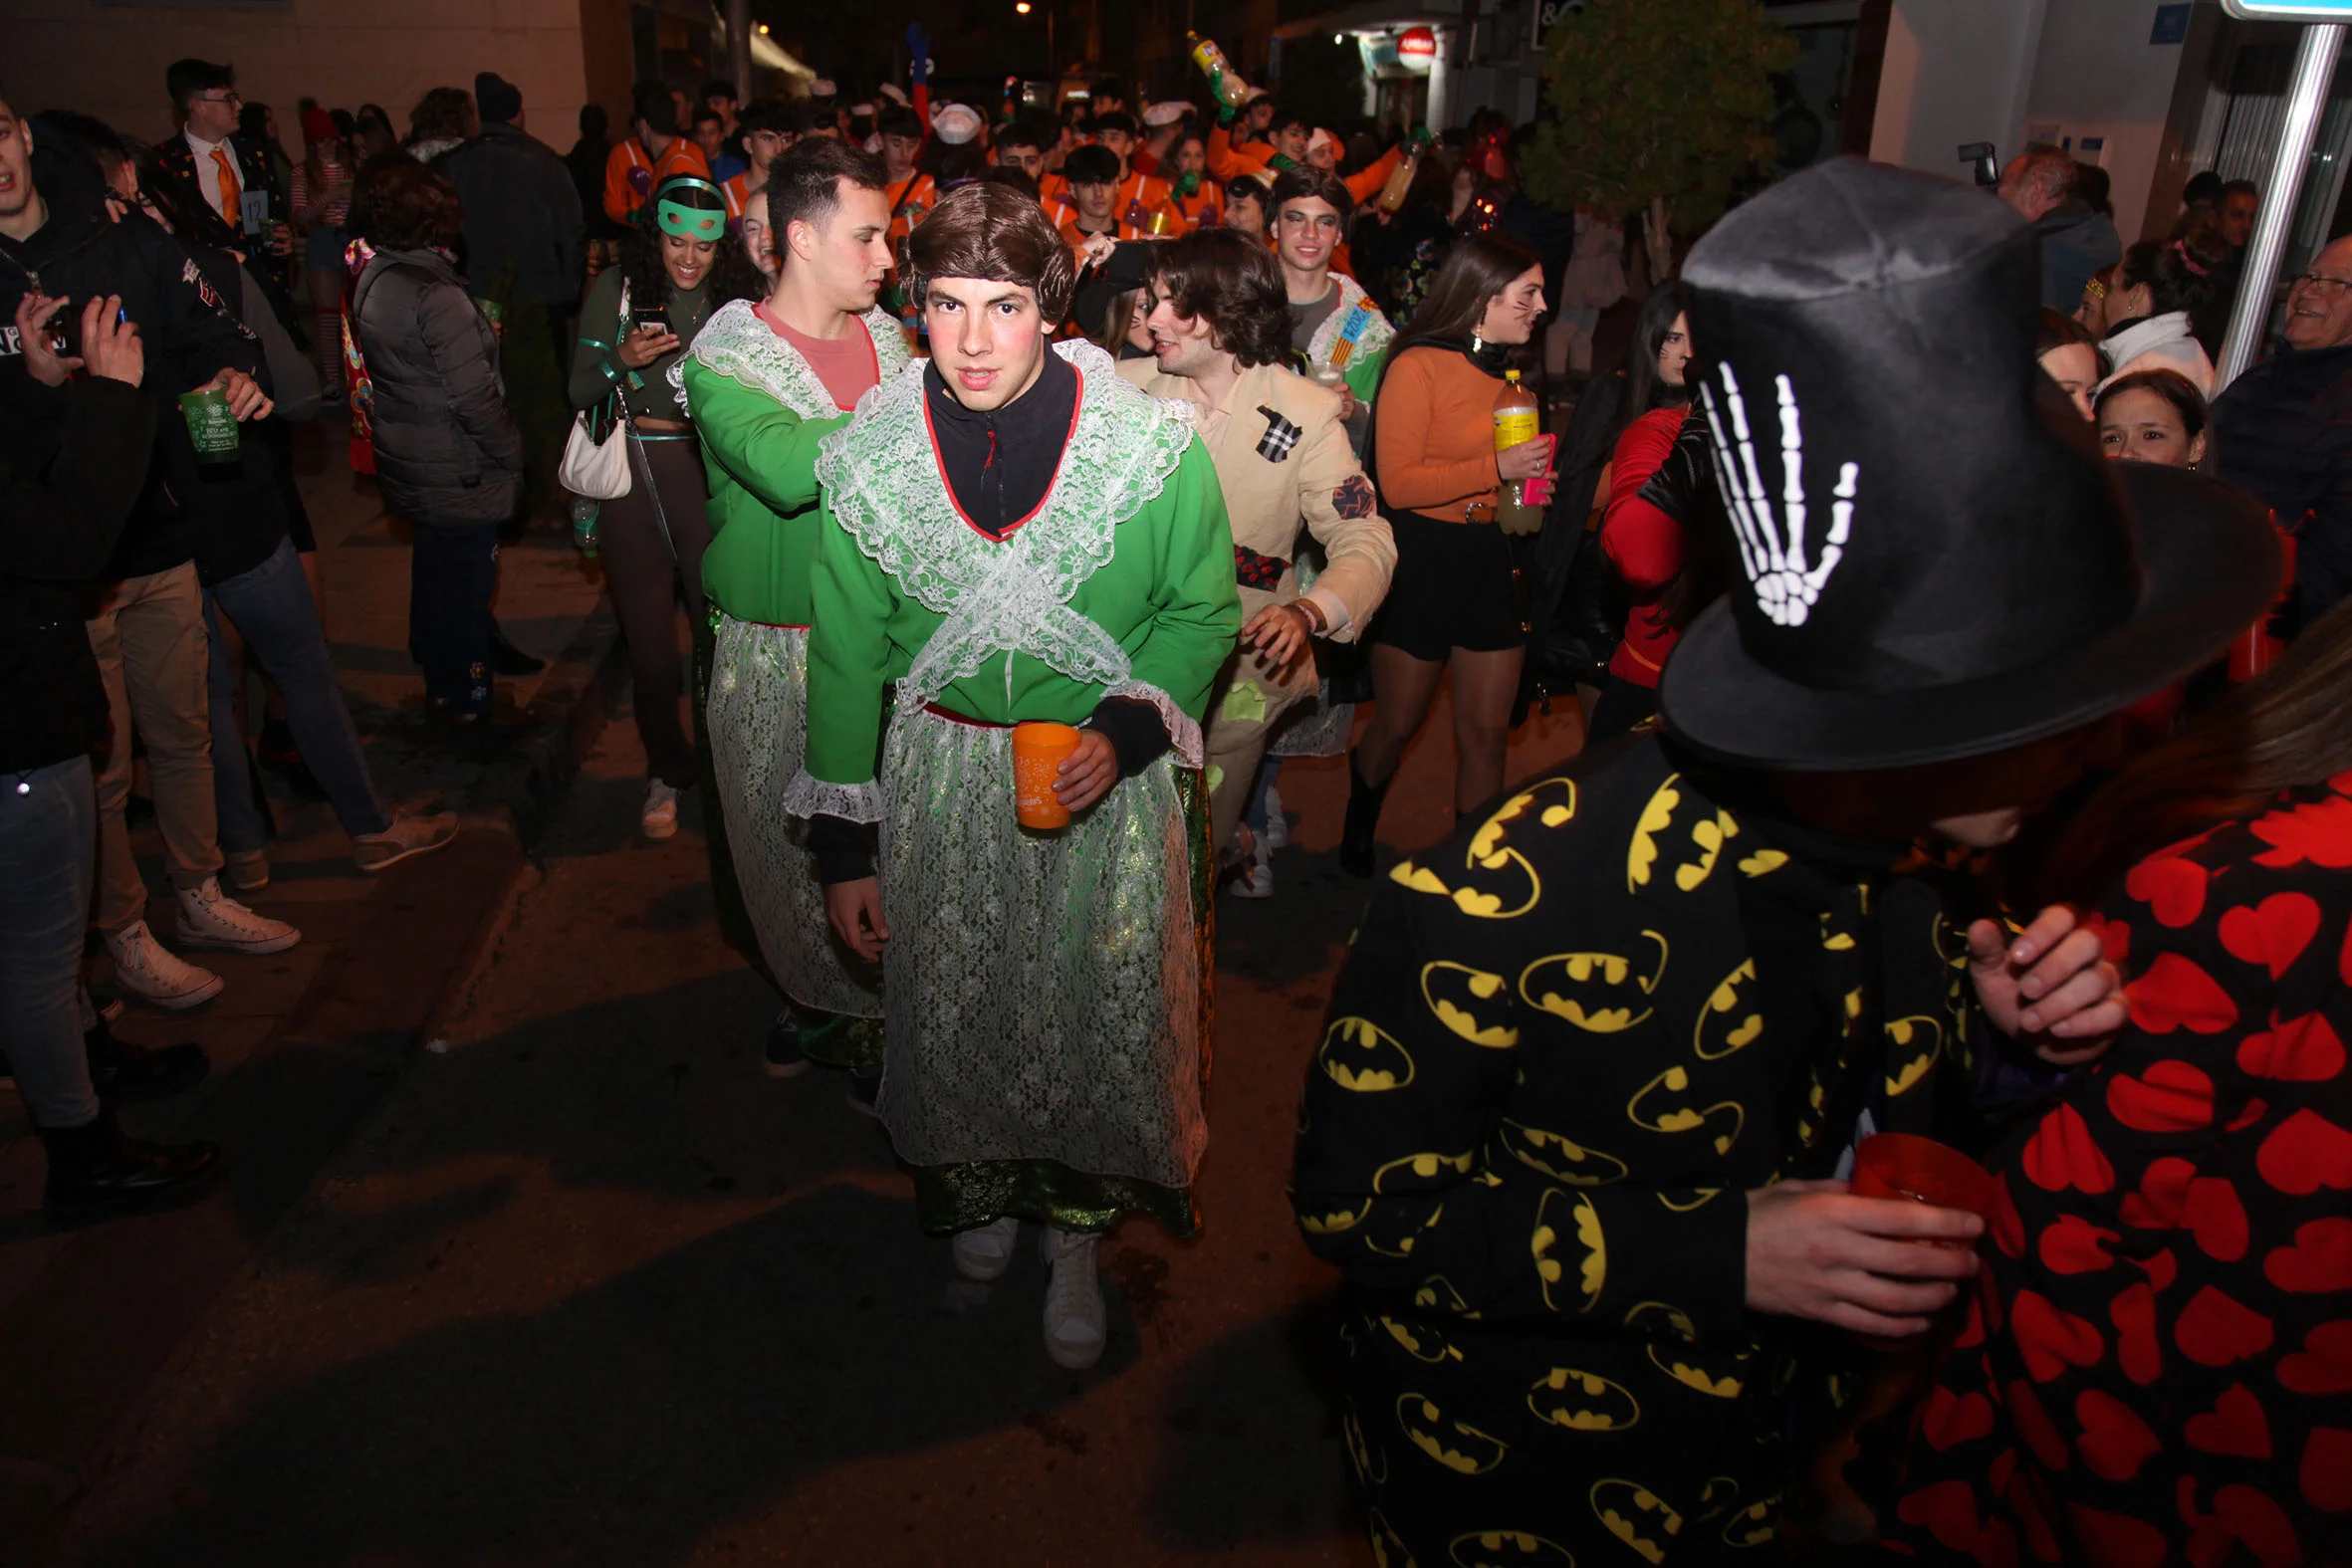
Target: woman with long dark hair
[[2162, 1336], [1643, 541], [637, 320], [1456, 602], [2158, 287]]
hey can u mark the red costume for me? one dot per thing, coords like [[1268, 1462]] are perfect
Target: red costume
[[2155, 1369]]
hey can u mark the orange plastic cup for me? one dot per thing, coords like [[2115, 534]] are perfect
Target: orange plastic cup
[[1900, 1165], [1038, 751]]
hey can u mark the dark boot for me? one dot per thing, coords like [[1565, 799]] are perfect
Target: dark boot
[[127, 1074], [1356, 849], [96, 1169]]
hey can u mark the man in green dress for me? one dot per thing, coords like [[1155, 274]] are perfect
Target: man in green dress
[[1014, 534], [766, 381]]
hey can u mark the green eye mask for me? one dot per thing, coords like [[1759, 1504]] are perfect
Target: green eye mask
[[705, 224]]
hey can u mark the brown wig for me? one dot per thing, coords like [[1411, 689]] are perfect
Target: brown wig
[[1477, 269], [1236, 284], [2289, 727], [404, 206], [987, 230]]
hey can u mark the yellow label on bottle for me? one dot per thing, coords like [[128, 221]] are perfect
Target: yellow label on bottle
[[1515, 428]]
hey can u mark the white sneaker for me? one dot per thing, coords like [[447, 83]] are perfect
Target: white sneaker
[[1074, 1327], [155, 976], [660, 820], [1254, 878], [210, 918], [986, 1251], [1278, 826]]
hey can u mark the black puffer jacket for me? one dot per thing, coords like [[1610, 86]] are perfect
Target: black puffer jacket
[[64, 491], [446, 448]]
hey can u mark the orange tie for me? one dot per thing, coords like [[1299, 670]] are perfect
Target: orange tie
[[230, 189]]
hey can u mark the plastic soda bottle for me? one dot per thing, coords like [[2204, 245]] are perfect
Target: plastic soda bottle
[[1400, 180], [584, 526], [1516, 423], [1219, 70]]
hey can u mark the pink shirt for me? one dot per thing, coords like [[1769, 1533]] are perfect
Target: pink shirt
[[846, 365]]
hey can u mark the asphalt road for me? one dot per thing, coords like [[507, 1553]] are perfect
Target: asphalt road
[[593, 1289]]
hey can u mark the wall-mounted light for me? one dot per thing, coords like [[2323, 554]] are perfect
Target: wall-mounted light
[[763, 29], [1338, 38], [1021, 7]]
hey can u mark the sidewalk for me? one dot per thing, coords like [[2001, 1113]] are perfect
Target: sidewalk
[[304, 1044]]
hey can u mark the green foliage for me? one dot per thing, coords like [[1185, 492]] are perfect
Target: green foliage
[[1650, 101]]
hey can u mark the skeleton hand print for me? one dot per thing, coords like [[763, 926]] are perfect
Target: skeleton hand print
[[1787, 587]]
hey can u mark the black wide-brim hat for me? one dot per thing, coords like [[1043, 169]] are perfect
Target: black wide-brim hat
[[1929, 560]]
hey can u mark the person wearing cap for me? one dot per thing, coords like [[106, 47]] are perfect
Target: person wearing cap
[[1221, 333], [650, 154], [1013, 534], [635, 326], [766, 381], [1163, 123], [1575, 1130], [525, 237]]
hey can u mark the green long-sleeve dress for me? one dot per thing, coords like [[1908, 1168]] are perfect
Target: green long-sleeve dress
[[1042, 991], [762, 412]]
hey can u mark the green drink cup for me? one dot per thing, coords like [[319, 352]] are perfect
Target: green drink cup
[[211, 427]]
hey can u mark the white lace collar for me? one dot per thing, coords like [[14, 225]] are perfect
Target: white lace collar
[[882, 481], [1375, 335], [738, 344]]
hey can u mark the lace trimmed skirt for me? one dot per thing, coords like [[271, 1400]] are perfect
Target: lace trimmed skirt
[[1046, 1006], [758, 725]]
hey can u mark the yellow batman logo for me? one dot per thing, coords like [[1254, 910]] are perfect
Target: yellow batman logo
[[1562, 1159], [1335, 1221], [1592, 1272], [1583, 1400], [1600, 993], [1508, 1549], [1559, 797], [1461, 1449], [1636, 1515], [1763, 864], [1673, 1083], [1471, 1002], [1421, 1342], [1437, 1294], [1656, 817], [1689, 1377], [1359, 1453], [1419, 878], [1923, 1037], [1387, 1550], [1401, 1176], [1728, 1023], [1755, 1525], [1396, 1231], [1359, 1055], [1678, 1322], [1707, 839]]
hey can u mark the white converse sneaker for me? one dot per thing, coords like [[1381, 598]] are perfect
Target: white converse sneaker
[[1074, 1328], [155, 976], [986, 1251], [412, 834], [1278, 826], [210, 918], [660, 820]]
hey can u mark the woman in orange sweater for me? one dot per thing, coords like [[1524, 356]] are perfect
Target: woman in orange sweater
[[1458, 600]]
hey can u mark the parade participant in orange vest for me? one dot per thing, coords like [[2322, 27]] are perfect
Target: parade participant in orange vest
[[1200, 199], [1094, 174], [911, 193], [1139, 199], [1323, 152], [651, 154]]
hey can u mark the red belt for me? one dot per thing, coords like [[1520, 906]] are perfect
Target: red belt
[[953, 717]]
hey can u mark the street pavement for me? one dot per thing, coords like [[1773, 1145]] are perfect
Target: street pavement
[[588, 1288]]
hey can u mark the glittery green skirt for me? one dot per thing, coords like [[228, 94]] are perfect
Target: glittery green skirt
[[1045, 993], [758, 730]]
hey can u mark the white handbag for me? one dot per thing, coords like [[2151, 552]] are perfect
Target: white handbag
[[598, 470]]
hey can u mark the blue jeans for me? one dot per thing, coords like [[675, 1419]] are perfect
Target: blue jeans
[[452, 570], [48, 856], [272, 607]]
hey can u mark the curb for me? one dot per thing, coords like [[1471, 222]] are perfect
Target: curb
[[119, 1309]]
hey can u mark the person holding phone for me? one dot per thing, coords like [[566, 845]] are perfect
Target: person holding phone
[[634, 327]]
